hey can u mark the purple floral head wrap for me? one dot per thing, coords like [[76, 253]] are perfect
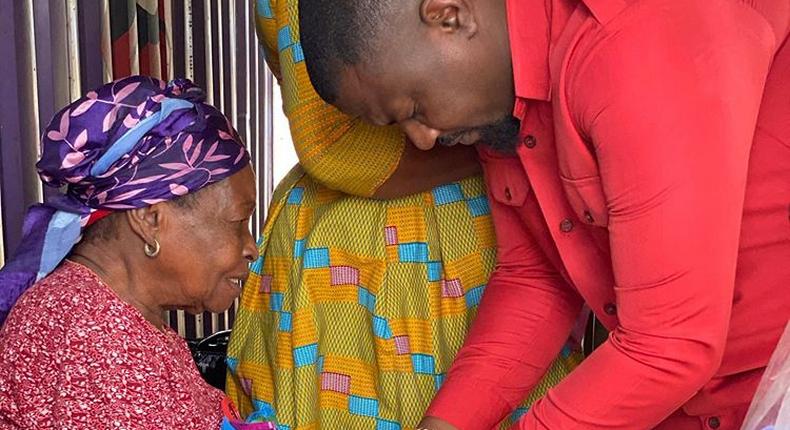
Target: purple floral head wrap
[[128, 144]]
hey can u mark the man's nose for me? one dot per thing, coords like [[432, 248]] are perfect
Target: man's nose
[[422, 136]]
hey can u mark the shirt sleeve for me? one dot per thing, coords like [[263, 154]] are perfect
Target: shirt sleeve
[[525, 316], [669, 100], [23, 359], [26, 359]]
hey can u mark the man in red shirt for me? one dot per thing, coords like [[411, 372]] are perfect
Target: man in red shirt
[[640, 166]]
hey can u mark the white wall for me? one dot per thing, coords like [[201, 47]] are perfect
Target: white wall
[[284, 156]]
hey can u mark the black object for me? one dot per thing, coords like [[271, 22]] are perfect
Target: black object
[[209, 354], [595, 334]]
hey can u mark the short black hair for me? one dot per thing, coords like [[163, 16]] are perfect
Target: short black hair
[[338, 33]]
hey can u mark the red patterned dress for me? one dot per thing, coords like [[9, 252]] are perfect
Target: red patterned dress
[[73, 355]]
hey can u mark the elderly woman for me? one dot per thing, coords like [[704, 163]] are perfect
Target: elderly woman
[[158, 195]]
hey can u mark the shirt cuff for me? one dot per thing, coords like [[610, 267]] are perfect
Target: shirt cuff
[[469, 404]]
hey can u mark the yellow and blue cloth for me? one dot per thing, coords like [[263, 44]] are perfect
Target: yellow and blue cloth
[[356, 308]]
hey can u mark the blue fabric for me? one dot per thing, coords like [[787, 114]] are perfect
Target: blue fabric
[[63, 232], [130, 139]]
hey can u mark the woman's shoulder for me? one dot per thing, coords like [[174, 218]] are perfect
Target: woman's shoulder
[[71, 316], [70, 297], [70, 290]]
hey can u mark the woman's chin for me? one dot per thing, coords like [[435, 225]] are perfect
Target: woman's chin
[[219, 306], [192, 310]]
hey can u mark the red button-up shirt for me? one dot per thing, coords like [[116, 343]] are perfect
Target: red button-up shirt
[[654, 186]]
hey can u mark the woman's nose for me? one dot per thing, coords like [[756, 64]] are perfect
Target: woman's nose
[[250, 250]]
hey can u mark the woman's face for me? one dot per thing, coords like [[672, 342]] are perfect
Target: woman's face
[[206, 247]]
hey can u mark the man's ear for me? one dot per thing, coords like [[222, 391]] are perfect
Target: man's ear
[[449, 16]]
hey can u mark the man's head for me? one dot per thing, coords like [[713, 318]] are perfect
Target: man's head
[[440, 69]]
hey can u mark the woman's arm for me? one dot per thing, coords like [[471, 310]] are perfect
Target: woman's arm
[[420, 171]]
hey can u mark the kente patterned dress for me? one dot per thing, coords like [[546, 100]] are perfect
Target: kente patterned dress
[[356, 307]]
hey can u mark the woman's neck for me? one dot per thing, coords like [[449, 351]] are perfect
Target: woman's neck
[[116, 271]]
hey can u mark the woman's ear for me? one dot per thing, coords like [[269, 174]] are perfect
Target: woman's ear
[[146, 222]]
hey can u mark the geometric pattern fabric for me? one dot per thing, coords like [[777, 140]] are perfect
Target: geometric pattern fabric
[[356, 307]]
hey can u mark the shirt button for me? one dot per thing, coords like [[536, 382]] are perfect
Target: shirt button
[[508, 196], [530, 141], [588, 217], [566, 225], [610, 309], [714, 422]]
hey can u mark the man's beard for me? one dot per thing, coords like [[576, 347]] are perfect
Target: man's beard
[[501, 135]]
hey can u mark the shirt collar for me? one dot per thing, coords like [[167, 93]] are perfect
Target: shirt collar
[[534, 26], [530, 37]]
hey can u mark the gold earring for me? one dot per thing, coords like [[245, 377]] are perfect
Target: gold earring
[[152, 250]]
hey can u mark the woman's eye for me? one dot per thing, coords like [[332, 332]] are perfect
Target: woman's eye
[[240, 221]]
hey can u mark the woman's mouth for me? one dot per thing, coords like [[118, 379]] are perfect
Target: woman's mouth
[[237, 283]]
